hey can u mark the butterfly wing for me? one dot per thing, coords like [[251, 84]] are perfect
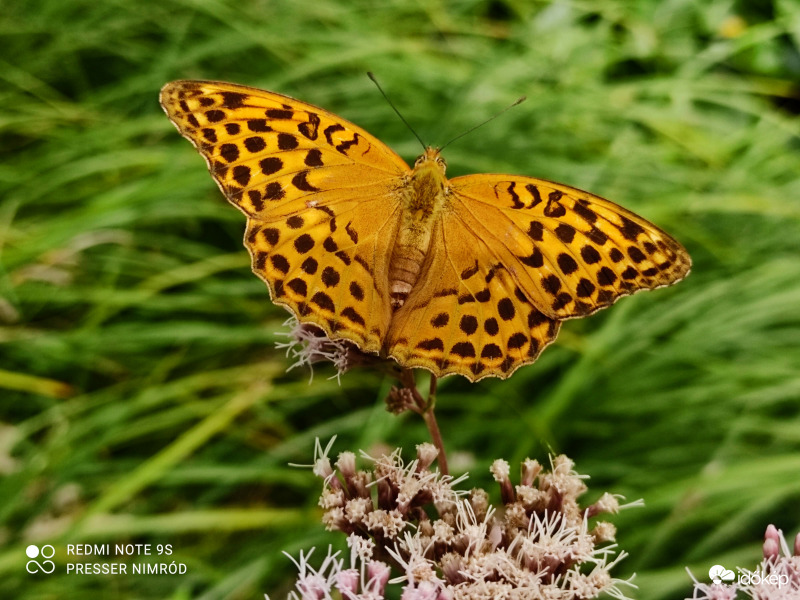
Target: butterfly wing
[[466, 314], [318, 195], [511, 257], [570, 252]]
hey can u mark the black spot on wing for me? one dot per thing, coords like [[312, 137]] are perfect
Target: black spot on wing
[[258, 125], [352, 233], [432, 344], [483, 296], [272, 235], [295, 222], [210, 135], [585, 288], [274, 191], [491, 351], [463, 349], [514, 196], [345, 145], [536, 196], [310, 265], [241, 174], [516, 341], [277, 113], [606, 276], [215, 116], [440, 320], [330, 130], [287, 141], [551, 284], [565, 233], [629, 229], [636, 255], [304, 243], [469, 271], [280, 263], [597, 236], [566, 263], [590, 254], [330, 277], [324, 301], [351, 314], [256, 199], [313, 158], [615, 255], [298, 286], [300, 181], [233, 99], [582, 209], [505, 309], [491, 326], [535, 260], [230, 152], [255, 144], [311, 127], [468, 324], [356, 291], [536, 231]]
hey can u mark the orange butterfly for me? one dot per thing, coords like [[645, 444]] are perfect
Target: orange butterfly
[[471, 275]]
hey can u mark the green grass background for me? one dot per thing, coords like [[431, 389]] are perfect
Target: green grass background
[[143, 400]]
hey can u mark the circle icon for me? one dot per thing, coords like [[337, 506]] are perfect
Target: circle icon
[[47, 566]]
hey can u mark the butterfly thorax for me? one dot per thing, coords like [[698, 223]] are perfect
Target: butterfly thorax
[[423, 196]]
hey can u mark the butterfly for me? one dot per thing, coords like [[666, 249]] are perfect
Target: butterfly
[[471, 275]]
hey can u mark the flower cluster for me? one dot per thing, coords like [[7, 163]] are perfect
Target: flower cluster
[[776, 578], [452, 544], [309, 344]]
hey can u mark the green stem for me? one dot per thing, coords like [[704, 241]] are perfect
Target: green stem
[[426, 408]]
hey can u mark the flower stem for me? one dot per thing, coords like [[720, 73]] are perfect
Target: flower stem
[[426, 409], [433, 427]]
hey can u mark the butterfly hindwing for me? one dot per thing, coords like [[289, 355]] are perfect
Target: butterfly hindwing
[[328, 274], [571, 252], [467, 315]]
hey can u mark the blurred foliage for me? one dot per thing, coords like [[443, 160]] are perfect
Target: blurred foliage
[[143, 400]]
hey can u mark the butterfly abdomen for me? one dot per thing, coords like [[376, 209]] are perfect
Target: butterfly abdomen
[[423, 197]]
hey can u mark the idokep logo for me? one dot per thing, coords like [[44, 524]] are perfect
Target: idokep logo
[[718, 574], [46, 566]]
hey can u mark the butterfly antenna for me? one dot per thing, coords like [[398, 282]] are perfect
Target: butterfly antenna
[[375, 81], [519, 100]]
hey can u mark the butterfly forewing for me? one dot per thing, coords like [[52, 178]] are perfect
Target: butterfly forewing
[[570, 252], [318, 193]]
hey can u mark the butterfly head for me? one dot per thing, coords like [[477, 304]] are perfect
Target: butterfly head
[[431, 159]]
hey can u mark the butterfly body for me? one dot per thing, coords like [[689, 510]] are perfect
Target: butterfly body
[[472, 275], [424, 198]]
